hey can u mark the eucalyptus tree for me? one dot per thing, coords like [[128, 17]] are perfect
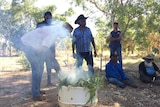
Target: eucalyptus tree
[[20, 16], [137, 18]]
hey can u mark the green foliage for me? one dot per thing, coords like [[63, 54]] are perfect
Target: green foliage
[[69, 12], [140, 16], [24, 62], [157, 59], [22, 17], [101, 38], [92, 84]]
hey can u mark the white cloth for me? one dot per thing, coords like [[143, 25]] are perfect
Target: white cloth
[[44, 36]]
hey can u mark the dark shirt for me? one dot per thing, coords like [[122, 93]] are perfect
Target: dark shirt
[[44, 23], [115, 71], [115, 35], [142, 70]]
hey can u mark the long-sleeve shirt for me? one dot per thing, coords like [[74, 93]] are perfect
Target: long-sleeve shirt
[[115, 71], [143, 72]]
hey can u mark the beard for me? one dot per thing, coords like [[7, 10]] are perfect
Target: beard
[[148, 64]]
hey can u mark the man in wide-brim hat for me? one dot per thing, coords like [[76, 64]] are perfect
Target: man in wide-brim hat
[[80, 17], [82, 40], [148, 69], [149, 57]]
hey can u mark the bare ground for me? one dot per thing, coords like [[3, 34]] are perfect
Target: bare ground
[[15, 91]]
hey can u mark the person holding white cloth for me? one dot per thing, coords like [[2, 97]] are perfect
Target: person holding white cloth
[[36, 46]]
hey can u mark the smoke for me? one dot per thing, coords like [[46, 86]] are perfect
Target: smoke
[[73, 76], [46, 35]]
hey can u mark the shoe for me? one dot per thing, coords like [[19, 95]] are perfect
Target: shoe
[[133, 85], [127, 82], [38, 98], [42, 92]]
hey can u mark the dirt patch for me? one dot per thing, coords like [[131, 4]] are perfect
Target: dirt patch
[[15, 91]]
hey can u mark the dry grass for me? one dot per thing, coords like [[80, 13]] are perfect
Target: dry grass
[[9, 64], [15, 84]]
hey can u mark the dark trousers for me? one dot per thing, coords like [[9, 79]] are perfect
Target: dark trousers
[[147, 79], [118, 50], [88, 58]]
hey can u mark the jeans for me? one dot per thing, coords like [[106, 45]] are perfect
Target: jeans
[[89, 59], [118, 50], [116, 82], [120, 83], [37, 59], [51, 64]]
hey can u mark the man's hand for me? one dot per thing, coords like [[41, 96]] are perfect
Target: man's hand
[[74, 55], [95, 53]]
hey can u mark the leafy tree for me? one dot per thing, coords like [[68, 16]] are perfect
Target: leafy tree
[[22, 16], [137, 18]]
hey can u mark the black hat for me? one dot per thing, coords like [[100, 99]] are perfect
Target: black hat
[[80, 17], [47, 13], [115, 23]]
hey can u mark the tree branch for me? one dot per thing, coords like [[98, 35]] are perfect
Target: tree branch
[[97, 6]]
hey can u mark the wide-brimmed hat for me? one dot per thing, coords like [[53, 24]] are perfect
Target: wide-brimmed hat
[[149, 56], [80, 17]]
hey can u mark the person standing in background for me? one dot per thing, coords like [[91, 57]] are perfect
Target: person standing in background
[[55, 65], [115, 42], [82, 39]]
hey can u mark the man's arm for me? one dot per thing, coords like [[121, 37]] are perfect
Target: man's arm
[[156, 67], [115, 39], [94, 46], [122, 73], [73, 46], [141, 69], [106, 71], [38, 25]]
